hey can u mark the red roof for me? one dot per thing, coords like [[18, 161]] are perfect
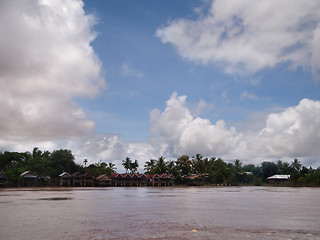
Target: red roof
[[77, 174]]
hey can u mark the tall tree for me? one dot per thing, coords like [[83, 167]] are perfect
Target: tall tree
[[268, 169], [127, 164], [112, 167], [184, 165], [238, 166], [296, 165], [149, 166], [198, 164], [134, 166], [62, 160], [161, 166]]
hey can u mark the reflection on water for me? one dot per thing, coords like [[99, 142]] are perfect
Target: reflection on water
[[160, 213]]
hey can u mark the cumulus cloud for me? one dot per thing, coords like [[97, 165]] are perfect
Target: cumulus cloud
[[288, 134], [247, 36], [46, 60], [109, 148], [186, 134], [295, 130]]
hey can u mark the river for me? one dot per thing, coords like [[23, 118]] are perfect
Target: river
[[160, 213]]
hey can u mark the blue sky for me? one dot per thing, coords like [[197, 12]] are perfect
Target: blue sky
[[146, 78], [127, 40]]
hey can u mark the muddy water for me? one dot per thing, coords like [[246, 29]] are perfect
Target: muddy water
[[160, 213]]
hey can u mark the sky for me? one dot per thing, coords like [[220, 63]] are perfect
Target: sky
[[147, 78]]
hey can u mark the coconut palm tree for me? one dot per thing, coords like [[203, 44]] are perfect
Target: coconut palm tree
[[112, 167], [134, 166], [161, 166], [238, 165], [85, 162], [149, 166], [296, 165], [127, 164]]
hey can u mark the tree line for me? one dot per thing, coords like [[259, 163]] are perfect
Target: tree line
[[48, 166]]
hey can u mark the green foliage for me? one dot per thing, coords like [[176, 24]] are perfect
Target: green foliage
[[49, 165], [159, 166], [128, 164], [13, 176], [184, 165]]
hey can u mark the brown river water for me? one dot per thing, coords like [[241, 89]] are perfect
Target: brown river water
[[160, 213]]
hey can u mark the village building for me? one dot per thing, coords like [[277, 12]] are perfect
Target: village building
[[195, 180], [103, 180], [160, 179], [88, 180], [77, 179], [125, 179], [116, 180], [278, 178], [65, 179], [142, 179], [29, 179]]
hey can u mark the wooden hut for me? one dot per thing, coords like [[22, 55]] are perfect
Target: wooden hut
[[126, 179], [103, 180], [194, 180], [169, 180], [153, 180], [29, 179], [276, 179], [77, 179], [116, 179], [65, 179], [88, 180], [142, 179]]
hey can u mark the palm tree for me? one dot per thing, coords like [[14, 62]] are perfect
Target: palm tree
[[171, 167], [112, 167], [127, 164], [161, 166], [134, 166], [149, 166], [85, 162], [296, 165], [198, 164], [238, 165]]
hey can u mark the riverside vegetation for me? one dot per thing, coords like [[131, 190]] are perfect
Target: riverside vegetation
[[48, 165]]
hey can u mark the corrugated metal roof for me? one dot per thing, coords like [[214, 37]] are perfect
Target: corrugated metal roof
[[280, 177], [65, 174], [29, 174]]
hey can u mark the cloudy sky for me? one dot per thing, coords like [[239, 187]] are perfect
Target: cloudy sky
[[148, 78]]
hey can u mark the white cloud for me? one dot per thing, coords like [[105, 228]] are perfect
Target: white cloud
[[247, 36], [292, 133], [185, 134], [129, 71], [109, 148], [251, 96], [201, 107], [46, 60]]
